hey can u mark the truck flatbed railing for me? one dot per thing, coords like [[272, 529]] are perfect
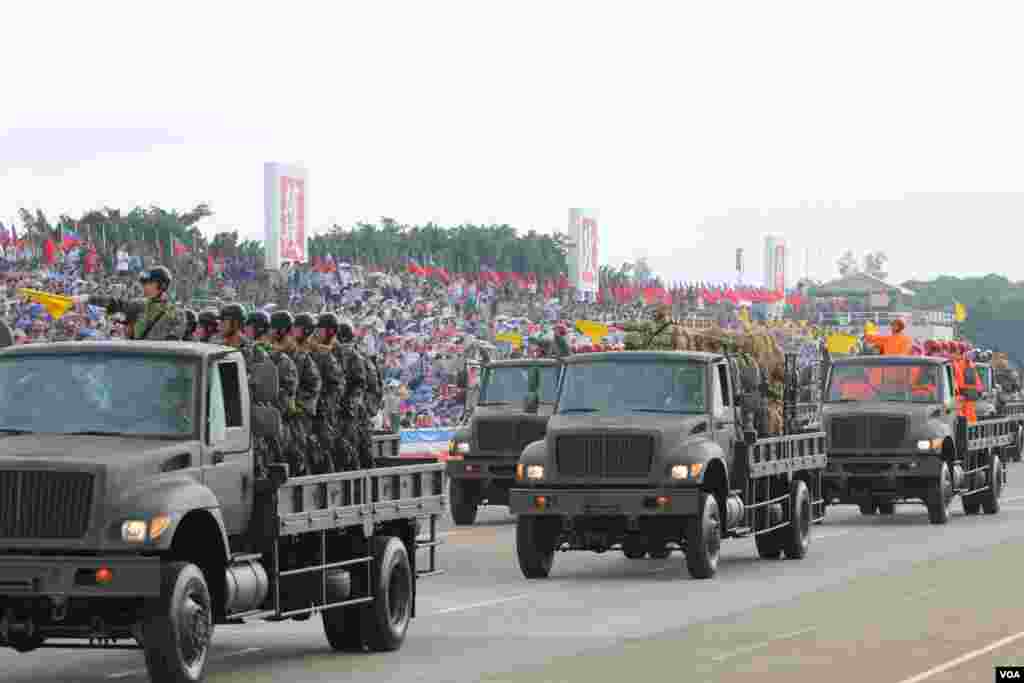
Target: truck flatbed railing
[[773, 456], [993, 433], [320, 504], [1013, 408]]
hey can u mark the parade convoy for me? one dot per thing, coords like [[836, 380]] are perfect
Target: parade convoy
[[130, 510]]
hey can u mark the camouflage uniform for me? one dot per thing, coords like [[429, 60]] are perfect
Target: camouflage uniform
[[288, 385], [307, 397], [353, 401], [374, 388], [154, 319], [326, 423]]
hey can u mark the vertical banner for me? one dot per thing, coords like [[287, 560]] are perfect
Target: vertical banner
[[285, 202], [583, 254], [739, 265]]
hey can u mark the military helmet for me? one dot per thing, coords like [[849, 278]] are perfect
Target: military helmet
[[327, 321], [345, 332], [190, 319], [259, 321], [232, 312], [158, 274], [281, 321], [306, 322]]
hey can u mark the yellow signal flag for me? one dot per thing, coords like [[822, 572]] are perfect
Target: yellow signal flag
[[959, 312], [55, 304]]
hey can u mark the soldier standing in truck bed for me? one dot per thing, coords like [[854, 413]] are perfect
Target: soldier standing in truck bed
[[304, 449], [344, 445], [325, 420], [232, 320], [288, 380], [352, 403], [156, 318], [209, 327]]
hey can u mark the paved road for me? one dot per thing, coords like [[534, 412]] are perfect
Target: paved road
[[885, 599]]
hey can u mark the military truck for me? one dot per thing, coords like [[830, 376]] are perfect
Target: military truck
[[131, 509], [484, 452], [894, 436], [994, 401], [650, 451]]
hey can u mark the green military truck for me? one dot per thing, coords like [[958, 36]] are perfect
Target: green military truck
[[648, 451], [894, 436], [131, 509], [484, 452]]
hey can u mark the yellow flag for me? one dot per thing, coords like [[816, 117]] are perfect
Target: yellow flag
[[516, 340], [870, 328], [960, 312], [841, 343], [596, 331], [55, 304]]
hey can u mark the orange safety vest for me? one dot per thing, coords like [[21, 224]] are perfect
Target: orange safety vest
[[892, 344], [966, 408]]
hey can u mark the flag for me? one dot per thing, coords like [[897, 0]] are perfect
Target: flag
[[959, 312], [69, 238], [55, 304]]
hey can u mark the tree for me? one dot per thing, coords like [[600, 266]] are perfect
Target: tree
[[847, 263]]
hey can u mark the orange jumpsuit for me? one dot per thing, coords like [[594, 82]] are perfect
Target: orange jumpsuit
[[967, 408], [891, 344]]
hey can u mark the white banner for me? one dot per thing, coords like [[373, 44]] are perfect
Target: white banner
[[285, 206], [583, 255]]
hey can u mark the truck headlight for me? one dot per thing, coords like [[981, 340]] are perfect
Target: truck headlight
[[686, 471], [134, 531], [535, 472], [929, 445]]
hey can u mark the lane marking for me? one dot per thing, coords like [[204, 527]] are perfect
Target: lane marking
[[236, 653], [763, 644], [963, 659], [922, 594], [475, 605]]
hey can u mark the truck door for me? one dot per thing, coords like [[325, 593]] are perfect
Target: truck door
[[227, 455], [723, 416]]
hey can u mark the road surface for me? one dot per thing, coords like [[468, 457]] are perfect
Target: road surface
[[881, 599]]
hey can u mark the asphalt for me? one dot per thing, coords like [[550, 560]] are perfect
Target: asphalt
[[883, 599]]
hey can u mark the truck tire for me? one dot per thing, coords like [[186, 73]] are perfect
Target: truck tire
[[634, 549], [178, 626], [704, 538], [939, 497], [386, 619], [769, 545], [463, 502], [989, 499], [535, 546], [343, 626], [659, 553], [887, 508], [796, 538], [971, 504], [868, 508]]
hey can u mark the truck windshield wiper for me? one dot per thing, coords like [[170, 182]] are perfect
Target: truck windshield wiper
[[7, 430], [663, 410], [493, 403], [94, 432], [577, 410]]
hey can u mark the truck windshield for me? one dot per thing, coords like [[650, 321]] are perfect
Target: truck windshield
[[615, 388], [906, 383], [136, 395], [510, 384]]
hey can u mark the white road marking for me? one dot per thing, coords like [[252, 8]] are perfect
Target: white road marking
[[475, 605], [963, 659], [922, 594], [236, 653], [763, 644]]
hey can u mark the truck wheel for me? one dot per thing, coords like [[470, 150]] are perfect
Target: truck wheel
[[887, 508], [343, 626], [769, 545], [939, 497], [704, 539], [796, 538], [386, 619], [535, 547], [1018, 451], [989, 499], [634, 550], [971, 504], [868, 508], [178, 628], [659, 553], [463, 503]]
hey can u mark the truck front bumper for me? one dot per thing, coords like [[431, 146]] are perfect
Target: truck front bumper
[[483, 470], [605, 502], [849, 477], [75, 576]]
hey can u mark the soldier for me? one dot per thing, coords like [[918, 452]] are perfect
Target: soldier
[[374, 390], [338, 337], [155, 317], [209, 327], [232, 319], [259, 328], [325, 422], [304, 449], [191, 322]]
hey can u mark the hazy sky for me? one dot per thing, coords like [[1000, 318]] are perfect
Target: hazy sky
[[663, 115]]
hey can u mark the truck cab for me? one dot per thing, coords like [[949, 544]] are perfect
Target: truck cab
[[484, 451]]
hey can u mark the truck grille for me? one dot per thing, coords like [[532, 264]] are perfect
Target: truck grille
[[604, 456], [36, 504], [497, 435], [868, 431]]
